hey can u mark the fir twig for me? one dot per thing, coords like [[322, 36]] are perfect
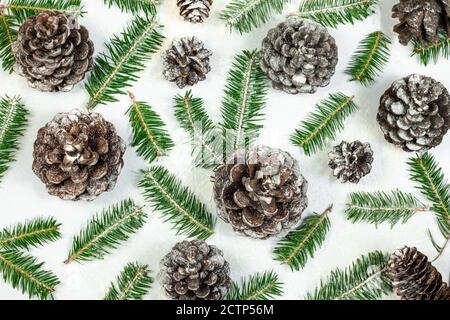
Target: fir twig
[[365, 279], [260, 286], [13, 119], [32, 233], [177, 203], [106, 231], [8, 35], [324, 123], [126, 56], [300, 244], [150, 137], [370, 58], [379, 207], [133, 283], [134, 6], [432, 52]]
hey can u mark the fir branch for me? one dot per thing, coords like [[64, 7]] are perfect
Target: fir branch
[[32, 233], [133, 283], [432, 52], [13, 119], [106, 231], [370, 58], [127, 54], [300, 244], [365, 279], [324, 123], [134, 6], [332, 13], [260, 286], [206, 142], [379, 207], [244, 100], [177, 203], [25, 273], [245, 15], [8, 35], [149, 134]]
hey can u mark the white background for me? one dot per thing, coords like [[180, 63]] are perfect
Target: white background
[[23, 196]]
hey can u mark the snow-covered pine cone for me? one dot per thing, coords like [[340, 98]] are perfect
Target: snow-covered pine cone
[[195, 11]]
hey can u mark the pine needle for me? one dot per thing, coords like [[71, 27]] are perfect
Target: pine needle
[[177, 203], [133, 283], [300, 244], [33, 233], [149, 134], [432, 52], [260, 286], [365, 279], [134, 6], [13, 119], [331, 13], [126, 56], [324, 123], [106, 231], [8, 35], [245, 15], [25, 273], [370, 58]]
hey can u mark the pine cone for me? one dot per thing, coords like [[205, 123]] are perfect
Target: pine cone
[[414, 278], [421, 19], [78, 156], [195, 11], [260, 192], [351, 161], [186, 62], [298, 56], [414, 113], [194, 270], [53, 52]]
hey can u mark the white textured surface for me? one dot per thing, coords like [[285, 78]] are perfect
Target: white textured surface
[[23, 196]]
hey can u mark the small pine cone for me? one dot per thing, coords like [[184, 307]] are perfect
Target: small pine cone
[[298, 56], [351, 161], [414, 113], [53, 51], [186, 62], [195, 11], [414, 278], [260, 192], [194, 270], [78, 156]]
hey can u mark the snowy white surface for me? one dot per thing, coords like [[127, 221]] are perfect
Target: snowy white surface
[[23, 196]]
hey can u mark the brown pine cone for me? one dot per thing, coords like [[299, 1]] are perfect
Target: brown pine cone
[[260, 192], [78, 156], [414, 278], [195, 11], [194, 270], [53, 52]]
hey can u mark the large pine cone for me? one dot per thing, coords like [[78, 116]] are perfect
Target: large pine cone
[[260, 192], [299, 56], [194, 270], [53, 52], [414, 278], [414, 113], [78, 156], [351, 161], [195, 11], [186, 62]]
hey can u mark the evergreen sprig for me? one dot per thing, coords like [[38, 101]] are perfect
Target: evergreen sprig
[[150, 137], [8, 35], [324, 123], [177, 203], [106, 231], [134, 6], [370, 58], [260, 286], [13, 119], [332, 13], [21, 10], [126, 56], [365, 279], [432, 52], [133, 283], [25, 273], [300, 244], [383, 207], [33, 233], [245, 15]]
